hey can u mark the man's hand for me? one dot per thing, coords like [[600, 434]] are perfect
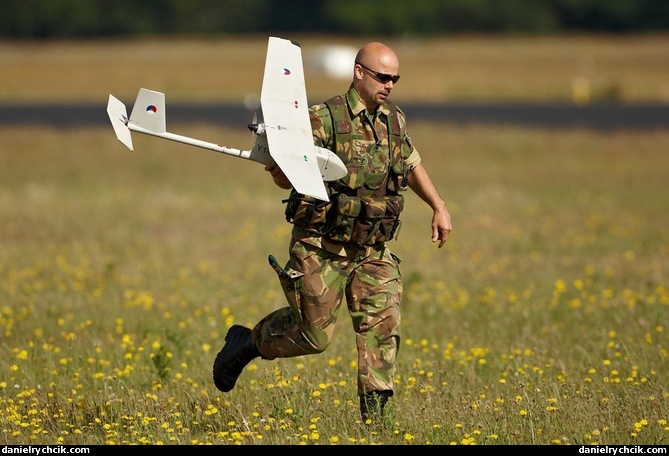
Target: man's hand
[[420, 182], [441, 226], [278, 176]]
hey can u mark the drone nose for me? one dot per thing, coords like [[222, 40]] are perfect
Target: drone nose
[[257, 128]]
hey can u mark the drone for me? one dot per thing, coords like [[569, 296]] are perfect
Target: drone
[[284, 137]]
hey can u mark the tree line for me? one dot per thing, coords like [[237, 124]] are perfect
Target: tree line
[[42, 19]]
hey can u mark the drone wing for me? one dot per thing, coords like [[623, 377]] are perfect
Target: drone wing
[[286, 117]]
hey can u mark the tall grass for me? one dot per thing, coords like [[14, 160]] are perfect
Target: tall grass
[[543, 320]]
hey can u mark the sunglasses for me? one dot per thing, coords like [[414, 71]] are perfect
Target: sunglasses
[[382, 77]]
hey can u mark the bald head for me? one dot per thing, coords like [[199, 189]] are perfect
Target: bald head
[[378, 56], [375, 73]]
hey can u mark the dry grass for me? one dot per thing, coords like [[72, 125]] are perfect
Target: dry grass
[[615, 68], [542, 321]]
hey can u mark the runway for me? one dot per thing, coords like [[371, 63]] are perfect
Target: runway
[[594, 116]]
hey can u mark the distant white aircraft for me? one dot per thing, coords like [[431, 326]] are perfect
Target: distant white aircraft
[[284, 137], [335, 61]]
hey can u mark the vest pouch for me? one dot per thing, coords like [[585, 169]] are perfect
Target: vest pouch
[[379, 219], [398, 180], [343, 218], [308, 213], [391, 220], [367, 225], [377, 168], [374, 181]]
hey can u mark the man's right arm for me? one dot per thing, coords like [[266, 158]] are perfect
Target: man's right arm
[[278, 176], [319, 133]]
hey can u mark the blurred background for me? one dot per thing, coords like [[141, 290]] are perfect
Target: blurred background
[[45, 19], [461, 60]]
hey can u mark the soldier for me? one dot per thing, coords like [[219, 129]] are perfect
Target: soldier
[[338, 248]]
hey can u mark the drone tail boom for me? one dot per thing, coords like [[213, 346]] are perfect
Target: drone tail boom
[[148, 117]]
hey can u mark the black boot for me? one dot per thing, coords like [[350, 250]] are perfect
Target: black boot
[[238, 351], [372, 405]]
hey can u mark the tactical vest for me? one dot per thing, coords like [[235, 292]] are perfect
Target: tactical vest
[[365, 205]]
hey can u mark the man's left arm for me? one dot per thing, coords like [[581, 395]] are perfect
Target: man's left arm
[[420, 182]]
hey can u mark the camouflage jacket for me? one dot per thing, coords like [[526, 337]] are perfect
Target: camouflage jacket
[[365, 205]]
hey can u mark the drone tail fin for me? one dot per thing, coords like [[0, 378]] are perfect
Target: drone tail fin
[[119, 120], [149, 111]]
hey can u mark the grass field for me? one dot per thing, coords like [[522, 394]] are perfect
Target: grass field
[[544, 319], [625, 68]]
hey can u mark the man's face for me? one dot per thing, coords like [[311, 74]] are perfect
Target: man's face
[[375, 81]]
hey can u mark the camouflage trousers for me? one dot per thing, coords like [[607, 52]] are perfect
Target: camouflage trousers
[[315, 282]]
